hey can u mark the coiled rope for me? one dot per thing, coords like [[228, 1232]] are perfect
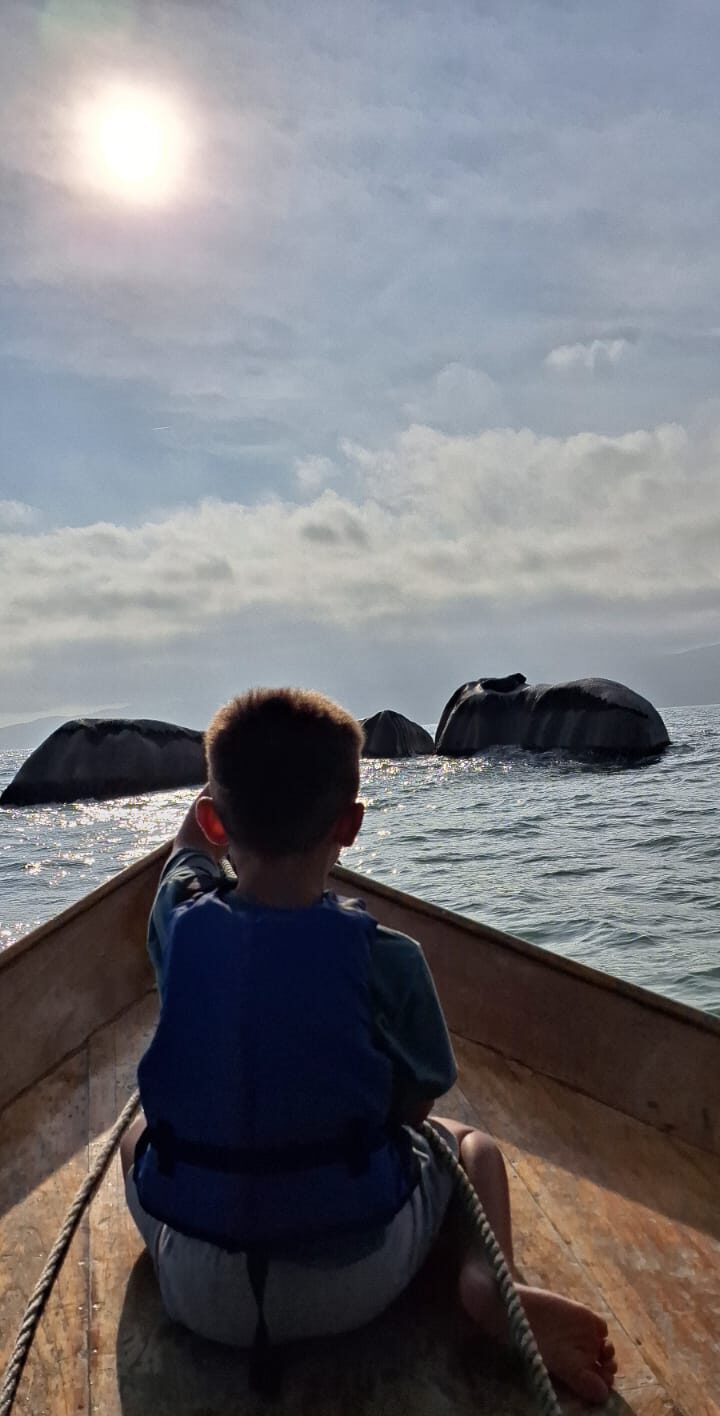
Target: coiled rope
[[520, 1330]]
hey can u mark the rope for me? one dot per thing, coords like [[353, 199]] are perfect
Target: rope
[[43, 1287], [520, 1331]]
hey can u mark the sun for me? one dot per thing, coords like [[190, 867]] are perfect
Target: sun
[[134, 144]]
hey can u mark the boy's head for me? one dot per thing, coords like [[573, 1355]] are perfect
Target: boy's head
[[284, 769]]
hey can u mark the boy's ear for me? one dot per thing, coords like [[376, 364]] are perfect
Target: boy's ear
[[209, 821], [349, 824]]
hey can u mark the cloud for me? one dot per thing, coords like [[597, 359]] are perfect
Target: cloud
[[15, 514], [353, 304], [459, 398], [587, 356], [373, 230], [505, 522], [313, 472]]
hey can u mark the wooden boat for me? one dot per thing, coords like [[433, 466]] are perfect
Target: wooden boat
[[604, 1098]]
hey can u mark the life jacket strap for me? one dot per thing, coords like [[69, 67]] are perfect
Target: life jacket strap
[[354, 1149], [141, 1146], [265, 1374]]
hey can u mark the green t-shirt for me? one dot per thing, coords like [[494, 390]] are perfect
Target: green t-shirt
[[407, 1017]]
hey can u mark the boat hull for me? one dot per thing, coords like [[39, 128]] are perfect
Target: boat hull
[[616, 1210]]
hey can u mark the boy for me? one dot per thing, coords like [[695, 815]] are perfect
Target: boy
[[278, 1175]]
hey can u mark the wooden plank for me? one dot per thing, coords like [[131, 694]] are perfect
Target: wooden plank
[[546, 1260], [646, 1402], [69, 977], [43, 1159], [630, 1208], [611, 1040], [115, 1245], [420, 1356], [653, 1203]]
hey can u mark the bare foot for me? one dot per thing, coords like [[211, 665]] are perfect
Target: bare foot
[[572, 1339]]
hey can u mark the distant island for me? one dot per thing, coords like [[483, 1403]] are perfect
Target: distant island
[[687, 677], [25, 737]]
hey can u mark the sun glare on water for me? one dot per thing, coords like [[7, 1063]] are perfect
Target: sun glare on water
[[134, 144]]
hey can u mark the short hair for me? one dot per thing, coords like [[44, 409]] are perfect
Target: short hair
[[284, 764]]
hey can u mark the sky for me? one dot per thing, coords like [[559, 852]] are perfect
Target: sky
[[401, 368]]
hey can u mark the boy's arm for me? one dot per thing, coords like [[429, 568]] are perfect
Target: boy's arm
[[192, 869], [410, 1026]]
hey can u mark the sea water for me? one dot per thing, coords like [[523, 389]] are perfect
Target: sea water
[[613, 865]]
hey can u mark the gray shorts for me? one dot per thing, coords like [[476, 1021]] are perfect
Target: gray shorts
[[207, 1289]]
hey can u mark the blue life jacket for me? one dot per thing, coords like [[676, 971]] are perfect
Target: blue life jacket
[[266, 1098]]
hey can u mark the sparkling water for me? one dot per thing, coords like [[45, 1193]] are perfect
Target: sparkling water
[[615, 866]]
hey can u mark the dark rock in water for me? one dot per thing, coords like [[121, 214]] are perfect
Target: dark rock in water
[[588, 715], [108, 757], [509, 684], [389, 734], [503, 685]]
